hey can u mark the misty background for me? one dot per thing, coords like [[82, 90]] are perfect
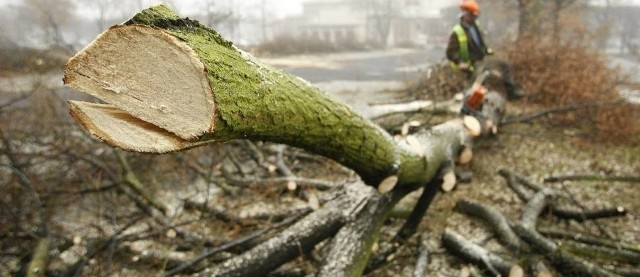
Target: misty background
[[359, 24]]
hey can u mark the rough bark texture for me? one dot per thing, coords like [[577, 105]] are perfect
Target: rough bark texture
[[252, 101], [498, 222], [476, 254], [351, 247]]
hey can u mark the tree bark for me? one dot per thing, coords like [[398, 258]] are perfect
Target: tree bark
[[215, 92], [476, 254], [38, 265]]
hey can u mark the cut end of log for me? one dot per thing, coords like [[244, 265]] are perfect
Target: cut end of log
[[448, 181], [166, 86], [473, 125], [415, 145], [388, 184], [465, 155], [120, 129], [516, 271]]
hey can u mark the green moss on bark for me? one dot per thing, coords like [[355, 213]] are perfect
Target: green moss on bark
[[256, 101]]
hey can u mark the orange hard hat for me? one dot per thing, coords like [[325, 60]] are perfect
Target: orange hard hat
[[470, 6]]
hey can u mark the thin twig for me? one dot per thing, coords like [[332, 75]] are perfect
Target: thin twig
[[593, 178], [535, 115], [232, 244]]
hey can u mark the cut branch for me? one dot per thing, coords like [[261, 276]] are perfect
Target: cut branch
[[476, 254], [423, 257], [300, 237], [191, 264], [496, 220], [198, 88], [593, 178]]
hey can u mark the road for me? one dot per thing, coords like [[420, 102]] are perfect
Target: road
[[361, 78], [381, 65]]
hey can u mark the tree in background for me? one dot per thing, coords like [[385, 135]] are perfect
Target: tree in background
[[380, 16], [49, 16]]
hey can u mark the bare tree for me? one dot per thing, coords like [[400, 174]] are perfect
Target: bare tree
[[558, 6], [49, 17]]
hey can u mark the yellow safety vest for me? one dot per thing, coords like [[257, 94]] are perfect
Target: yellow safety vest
[[462, 41], [464, 46]]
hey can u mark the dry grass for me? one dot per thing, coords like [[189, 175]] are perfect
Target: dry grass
[[557, 75]]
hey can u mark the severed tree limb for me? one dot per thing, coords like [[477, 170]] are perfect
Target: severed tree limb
[[545, 112], [496, 220], [189, 266], [228, 95], [581, 216], [560, 234], [513, 183], [516, 181], [300, 237], [534, 208], [409, 227], [601, 252], [225, 94], [351, 247], [593, 178], [376, 112], [423, 257], [562, 261], [476, 254]]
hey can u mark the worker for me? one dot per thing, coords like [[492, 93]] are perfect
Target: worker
[[467, 50]]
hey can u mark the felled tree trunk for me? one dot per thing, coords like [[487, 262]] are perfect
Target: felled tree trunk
[[172, 84]]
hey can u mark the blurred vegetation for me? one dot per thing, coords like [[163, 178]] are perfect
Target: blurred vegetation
[[561, 75]]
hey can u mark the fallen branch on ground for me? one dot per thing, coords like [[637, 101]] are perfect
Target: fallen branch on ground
[[593, 178]]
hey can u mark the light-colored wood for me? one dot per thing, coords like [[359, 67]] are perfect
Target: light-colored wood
[[388, 184], [449, 181], [472, 125], [415, 144], [516, 271], [466, 155]]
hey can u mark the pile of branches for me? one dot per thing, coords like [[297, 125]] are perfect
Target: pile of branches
[[438, 83], [545, 251]]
